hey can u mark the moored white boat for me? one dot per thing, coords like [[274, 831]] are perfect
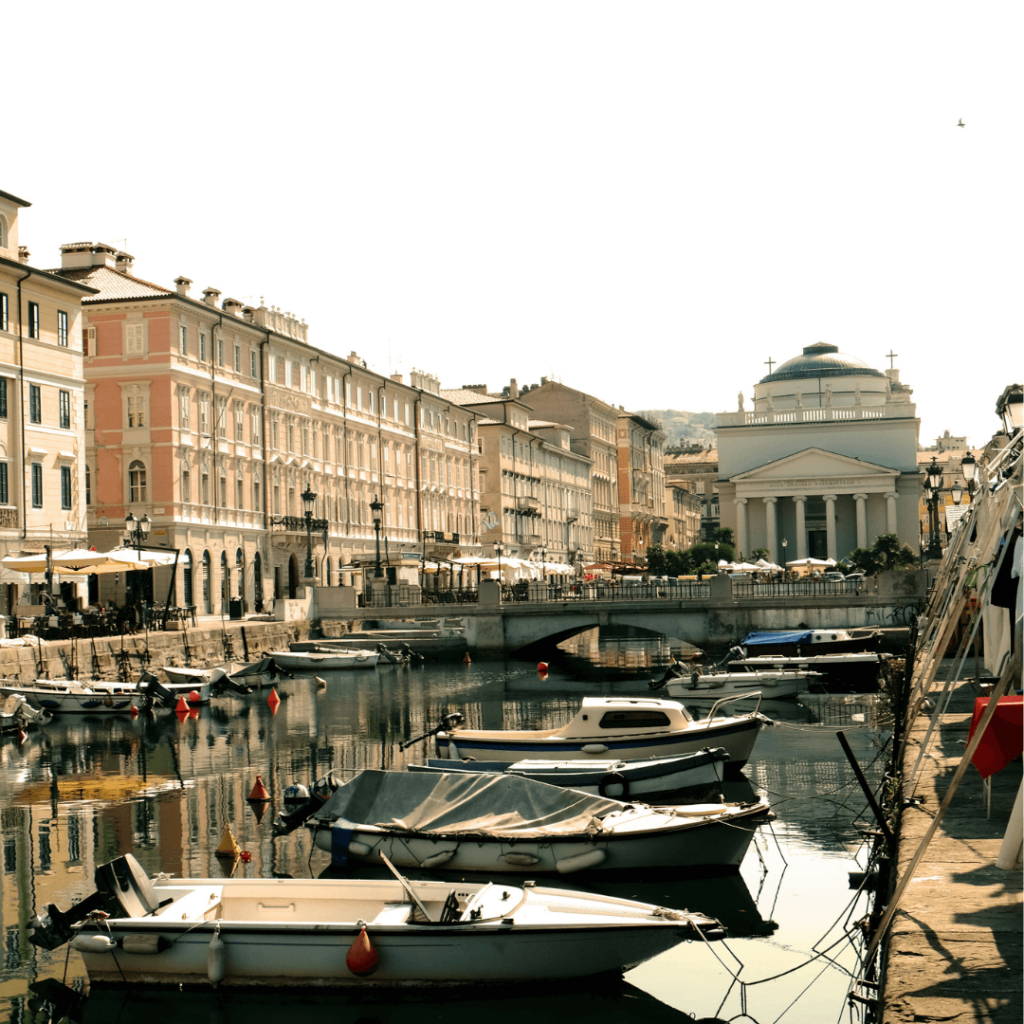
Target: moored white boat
[[70, 696], [320, 661], [507, 824], [611, 727], [354, 933], [618, 780], [772, 685]]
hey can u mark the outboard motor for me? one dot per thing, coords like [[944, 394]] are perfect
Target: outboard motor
[[154, 693], [303, 806], [449, 723]]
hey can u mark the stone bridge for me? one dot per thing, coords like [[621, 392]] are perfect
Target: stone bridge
[[721, 615]]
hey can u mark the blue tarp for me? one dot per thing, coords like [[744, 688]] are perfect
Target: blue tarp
[[790, 637]]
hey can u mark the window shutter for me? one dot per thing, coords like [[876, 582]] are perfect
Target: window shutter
[[134, 339]]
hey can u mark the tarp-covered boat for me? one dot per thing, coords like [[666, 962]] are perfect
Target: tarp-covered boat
[[810, 641], [505, 823], [352, 933]]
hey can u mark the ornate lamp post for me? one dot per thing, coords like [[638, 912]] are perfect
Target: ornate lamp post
[[1010, 408], [543, 564], [932, 489], [308, 498], [376, 507], [717, 570], [785, 544], [499, 550]]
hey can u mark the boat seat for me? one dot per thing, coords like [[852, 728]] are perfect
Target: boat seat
[[394, 913]]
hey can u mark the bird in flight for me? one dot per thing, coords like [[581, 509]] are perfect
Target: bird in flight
[[960, 123]]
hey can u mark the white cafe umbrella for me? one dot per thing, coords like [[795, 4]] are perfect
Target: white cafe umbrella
[[150, 558], [813, 563], [73, 562]]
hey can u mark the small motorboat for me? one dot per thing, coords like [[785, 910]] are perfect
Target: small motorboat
[[844, 672], [219, 678], [627, 728], [17, 714], [71, 696], [467, 821], [771, 683], [332, 660], [619, 780], [352, 933]]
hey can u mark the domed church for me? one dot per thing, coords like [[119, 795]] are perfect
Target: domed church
[[825, 461]]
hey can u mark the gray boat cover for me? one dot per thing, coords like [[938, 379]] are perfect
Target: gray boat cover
[[464, 803]]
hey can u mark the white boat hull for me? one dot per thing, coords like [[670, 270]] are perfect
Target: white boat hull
[[300, 933], [771, 685], [618, 780], [311, 661]]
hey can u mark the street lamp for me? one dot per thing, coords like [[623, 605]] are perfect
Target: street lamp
[[785, 544], [308, 498], [969, 468], [716, 557], [544, 564], [138, 531], [1010, 408], [932, 488], [376, 507], [499, 550], [957, 493]]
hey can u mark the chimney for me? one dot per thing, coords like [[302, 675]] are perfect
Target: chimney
[[210, 296], [183, 284], [23, 254], [513, 389], [232, 307], [397, 378], [248, 314], [123, 263]]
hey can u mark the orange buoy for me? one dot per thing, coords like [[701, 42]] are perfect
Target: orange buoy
[[182, 704], [194, 697], [466, 659], [272, 699], [362, 958], [135, 711], [542, 667], [259, 791], [245, 856], [22, 736], [182, 716]]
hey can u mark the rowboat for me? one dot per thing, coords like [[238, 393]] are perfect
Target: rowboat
[[488, 823], [629, 728], [320, 661], [619, 780], [353, 933]]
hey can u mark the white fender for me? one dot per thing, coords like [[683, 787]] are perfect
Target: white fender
[[359, 849], [699, 810], [524, 860], [437, 859], [216, 958], [594, 748], [92, 943], [582, 860], [453, 751]]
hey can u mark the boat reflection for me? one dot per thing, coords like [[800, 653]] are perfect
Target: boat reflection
[[593, 1002]]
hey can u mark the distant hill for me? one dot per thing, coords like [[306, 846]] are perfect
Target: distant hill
[[682, 427]]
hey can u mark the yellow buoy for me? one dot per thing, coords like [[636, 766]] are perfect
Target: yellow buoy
[[228, 847]]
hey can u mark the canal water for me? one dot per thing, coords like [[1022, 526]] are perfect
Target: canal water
[[82, 791]]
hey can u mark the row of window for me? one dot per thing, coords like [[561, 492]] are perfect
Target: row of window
[[201, 350], [32, 323], [37, 485], [35, 404]]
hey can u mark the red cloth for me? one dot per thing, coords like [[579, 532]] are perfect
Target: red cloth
[[1004, 737]]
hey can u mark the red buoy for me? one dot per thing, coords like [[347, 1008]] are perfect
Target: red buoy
[[273, 700], [259, 791], [194, 697], [182, 705], [135, 711], [542, 667], [245, 856], [362, 958]]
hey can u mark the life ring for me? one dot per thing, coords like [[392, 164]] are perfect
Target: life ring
[[613, 779]]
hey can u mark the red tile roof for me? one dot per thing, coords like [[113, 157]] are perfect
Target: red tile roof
[[112, 284]]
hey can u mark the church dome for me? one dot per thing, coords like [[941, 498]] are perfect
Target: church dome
[[821, 360]]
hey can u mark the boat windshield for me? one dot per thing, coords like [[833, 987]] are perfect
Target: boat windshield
[[639, 719]]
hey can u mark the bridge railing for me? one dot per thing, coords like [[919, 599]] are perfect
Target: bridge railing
[[560, 593], [799, 588]]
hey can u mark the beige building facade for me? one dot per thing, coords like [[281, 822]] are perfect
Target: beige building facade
[[42, 405], [641, 475], [696, 468]]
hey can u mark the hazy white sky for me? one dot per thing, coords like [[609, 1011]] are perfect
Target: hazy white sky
[[643, 200]]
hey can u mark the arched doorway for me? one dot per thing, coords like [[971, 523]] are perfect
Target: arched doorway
[[257, 582], [240, 573], [225, 583], [293, 577], [207, 596], [187, 597]]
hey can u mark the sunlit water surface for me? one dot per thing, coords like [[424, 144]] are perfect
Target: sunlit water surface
[[83, 791]]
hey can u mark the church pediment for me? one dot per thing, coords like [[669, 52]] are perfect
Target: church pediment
[[815, 471]]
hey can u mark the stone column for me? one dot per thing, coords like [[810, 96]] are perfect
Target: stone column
[[801, 525], [773, 528], [862, 520], [830, 525], [890, 512], [741, 525]]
